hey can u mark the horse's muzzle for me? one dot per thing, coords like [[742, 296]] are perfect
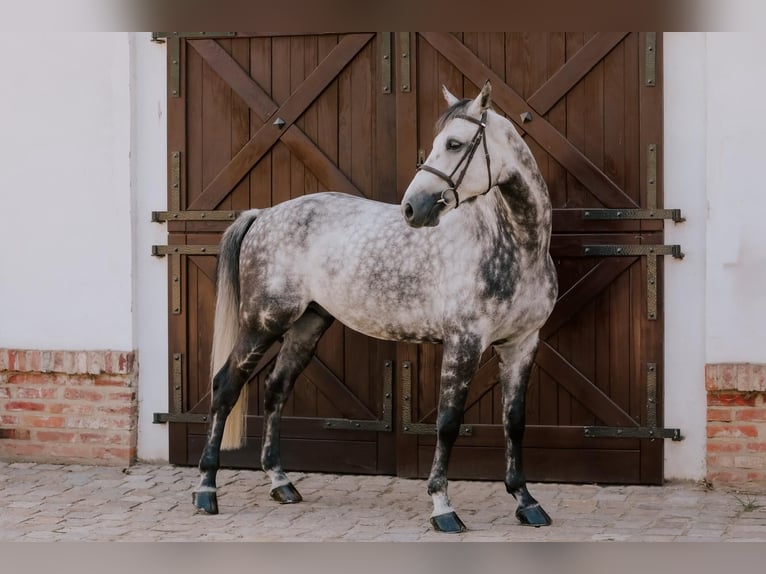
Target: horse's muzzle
[[423, 212]]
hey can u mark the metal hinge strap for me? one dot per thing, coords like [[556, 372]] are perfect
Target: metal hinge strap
[[616, 214], [651, 59], [632, 432], [404, 61], [385, 62], [408, 426], [162, 250], [162, 216], [632, 250]]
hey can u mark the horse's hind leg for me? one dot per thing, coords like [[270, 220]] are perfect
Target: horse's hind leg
[[515, 367], [227, 384], [297, 349], [460, 360]]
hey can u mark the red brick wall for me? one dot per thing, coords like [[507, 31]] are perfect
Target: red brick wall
[[68, 406], [736, 423]]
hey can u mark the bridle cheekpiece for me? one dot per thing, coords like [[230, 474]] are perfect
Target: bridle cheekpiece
[[467, 157]]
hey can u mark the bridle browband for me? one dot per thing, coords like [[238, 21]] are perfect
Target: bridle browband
[[467, 157]]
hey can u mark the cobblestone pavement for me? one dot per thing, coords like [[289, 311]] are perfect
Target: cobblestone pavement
[[150, 502]]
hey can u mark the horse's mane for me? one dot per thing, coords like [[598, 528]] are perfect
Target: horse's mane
[[451, 112]]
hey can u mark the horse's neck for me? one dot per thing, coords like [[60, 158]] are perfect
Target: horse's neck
[[525, 199]]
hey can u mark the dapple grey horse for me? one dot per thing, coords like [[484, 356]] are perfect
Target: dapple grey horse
[[463, 262]]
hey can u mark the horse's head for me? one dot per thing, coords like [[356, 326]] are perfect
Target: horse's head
[[460, 165]]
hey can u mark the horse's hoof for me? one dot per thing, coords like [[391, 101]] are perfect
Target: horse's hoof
[[286, 494], [449, 523], [207, 501], [533, 515]]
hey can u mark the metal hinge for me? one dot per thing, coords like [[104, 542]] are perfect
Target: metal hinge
[[632, 250], [404, 61], [651, 59], [650, 252], [162, 216], [408, 426], [651, 430], [385, 63], [616, 214], [174, 53]]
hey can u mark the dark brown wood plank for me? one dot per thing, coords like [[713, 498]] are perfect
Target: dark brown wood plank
[[260, 71], [348, 403], [557, 86], [581, 388], [589, 286], [239, 199]]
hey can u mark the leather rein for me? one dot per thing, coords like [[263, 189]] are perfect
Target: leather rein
[[467, 157]]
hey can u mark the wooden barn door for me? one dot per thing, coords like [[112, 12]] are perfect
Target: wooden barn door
[[254, 121], [589, 106]]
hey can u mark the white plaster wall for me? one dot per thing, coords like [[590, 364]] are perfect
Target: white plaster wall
[[65, 211], [685, 188], [149, 174], [715, 152], [736, 156]]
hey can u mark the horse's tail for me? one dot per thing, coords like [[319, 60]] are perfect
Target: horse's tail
[[226, 326]]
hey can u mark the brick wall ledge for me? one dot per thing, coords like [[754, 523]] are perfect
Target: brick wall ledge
[[735, 377], [68, 362]]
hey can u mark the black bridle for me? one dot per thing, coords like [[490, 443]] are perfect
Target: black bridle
[[467, 157]]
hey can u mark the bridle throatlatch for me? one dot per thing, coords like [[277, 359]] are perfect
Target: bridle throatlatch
[[450, 195]]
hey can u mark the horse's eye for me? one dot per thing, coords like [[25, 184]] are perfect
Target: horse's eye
[[453, 145]]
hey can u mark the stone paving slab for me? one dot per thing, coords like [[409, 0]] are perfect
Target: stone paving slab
[[147, 503]]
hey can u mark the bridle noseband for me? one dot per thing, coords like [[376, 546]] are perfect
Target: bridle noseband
[[467, 157]]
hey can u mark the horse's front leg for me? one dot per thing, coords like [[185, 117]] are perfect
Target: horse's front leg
[[515, 367], [459, 363]]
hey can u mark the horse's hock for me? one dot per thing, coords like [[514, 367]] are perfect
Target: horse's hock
[[68, 406], [736, 424]]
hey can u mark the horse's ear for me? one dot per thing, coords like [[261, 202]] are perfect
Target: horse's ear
[[481, 102], [450, 99]]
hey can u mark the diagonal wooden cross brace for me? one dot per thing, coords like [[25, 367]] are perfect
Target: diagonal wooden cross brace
[[285, 130]]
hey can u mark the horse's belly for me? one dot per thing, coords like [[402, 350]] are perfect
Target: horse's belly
[[390, 323]]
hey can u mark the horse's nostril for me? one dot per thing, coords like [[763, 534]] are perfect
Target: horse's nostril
[[408, 211]]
